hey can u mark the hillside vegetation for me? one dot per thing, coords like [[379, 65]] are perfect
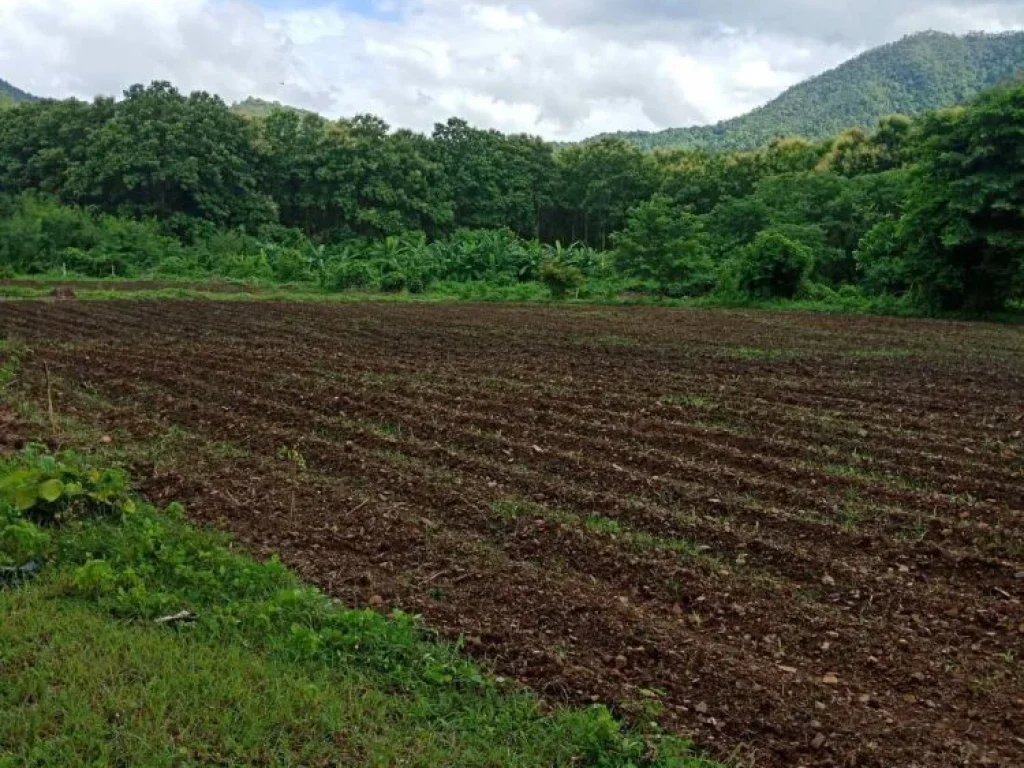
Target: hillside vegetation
[[11, 95], [921, 72]]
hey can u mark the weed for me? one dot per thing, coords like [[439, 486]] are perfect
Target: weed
[[757, 353], [850, 518], [10, 363], [599, 524], [880, 354], [512, 509], [690, 401]]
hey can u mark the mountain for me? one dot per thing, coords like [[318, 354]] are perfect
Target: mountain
[[921, 72], [9, 94], [260, 108]]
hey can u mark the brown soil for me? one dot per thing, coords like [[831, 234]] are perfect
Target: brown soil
[[12, 432], [801, 534]]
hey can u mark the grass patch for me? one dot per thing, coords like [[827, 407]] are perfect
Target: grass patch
[[269, 672], [757, 353], [880, 354], [689, 401], [594, 292], [640, 541]]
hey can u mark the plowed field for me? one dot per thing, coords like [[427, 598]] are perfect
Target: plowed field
[[798, 539]]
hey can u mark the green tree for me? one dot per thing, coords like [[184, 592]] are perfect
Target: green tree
[[599, 182], [42, 143], [773, 266], [664, 243], [964, 226], [881, 261], [166, 155]]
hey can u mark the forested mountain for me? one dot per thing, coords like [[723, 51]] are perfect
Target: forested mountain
[[9, 94], [921, 72]]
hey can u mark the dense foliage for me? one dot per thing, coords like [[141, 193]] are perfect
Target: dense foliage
[[160, 183], [11, 95], [921, 72]]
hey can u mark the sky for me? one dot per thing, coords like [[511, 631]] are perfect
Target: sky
[[563, 69]]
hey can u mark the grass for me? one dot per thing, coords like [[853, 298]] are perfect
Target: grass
[[270, 673], [690, 401], [758, 353], [596, 292], [639, 541]]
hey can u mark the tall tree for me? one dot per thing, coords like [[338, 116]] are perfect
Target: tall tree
[[166, 155], [599, 182], [965, 221]]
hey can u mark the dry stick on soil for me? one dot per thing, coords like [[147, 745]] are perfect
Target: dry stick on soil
[[49, 402], [298, 462]]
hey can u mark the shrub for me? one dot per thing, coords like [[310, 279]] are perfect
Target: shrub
[[881, 264], [773, 266], [49, 489], [346, 274], [665, 243], [560, 278]]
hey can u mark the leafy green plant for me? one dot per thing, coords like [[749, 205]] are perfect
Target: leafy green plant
[[773, 266], [50, 489], [20, 540], [560, 278]]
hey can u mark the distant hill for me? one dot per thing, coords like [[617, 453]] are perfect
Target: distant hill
[[11, 95], [921, 72], [260, 108]]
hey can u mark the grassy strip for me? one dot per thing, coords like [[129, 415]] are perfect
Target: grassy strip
[[270, 672], [528, 294], [603, 293]]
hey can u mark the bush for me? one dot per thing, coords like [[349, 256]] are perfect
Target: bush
[[346, 274], [773, 266], [180, 266], [665, 243], [880, 259], [560, 278]]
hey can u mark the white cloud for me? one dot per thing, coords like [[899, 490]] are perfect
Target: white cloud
[[562, 68]]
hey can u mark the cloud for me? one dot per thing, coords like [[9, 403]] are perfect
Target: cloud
[[562, 68], [865, 22]]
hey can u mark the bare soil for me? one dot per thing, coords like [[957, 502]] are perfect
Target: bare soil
[[796, 539]]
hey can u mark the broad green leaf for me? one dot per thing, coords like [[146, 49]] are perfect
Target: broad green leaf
[[51, 490], [24, 498]]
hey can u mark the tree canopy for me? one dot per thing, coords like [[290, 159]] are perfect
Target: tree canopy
[[927, 211]]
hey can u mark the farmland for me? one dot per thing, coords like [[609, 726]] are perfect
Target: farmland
[[796, 539]]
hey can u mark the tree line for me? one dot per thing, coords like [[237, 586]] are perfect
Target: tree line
[[928, 211]]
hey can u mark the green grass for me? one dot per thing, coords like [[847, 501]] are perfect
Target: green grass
[[690, 401], [594, 292], [271, 672], [757, 353], [639, 541]]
